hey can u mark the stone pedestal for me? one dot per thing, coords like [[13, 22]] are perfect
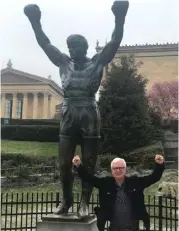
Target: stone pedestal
[[67, 223]]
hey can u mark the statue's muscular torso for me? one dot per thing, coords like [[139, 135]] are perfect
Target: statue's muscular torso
[[81, 81]]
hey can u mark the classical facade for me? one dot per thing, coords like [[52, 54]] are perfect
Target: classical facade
[[27, 96], [159, 62]]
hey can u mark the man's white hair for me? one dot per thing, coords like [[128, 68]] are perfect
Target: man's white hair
[[117, 160]]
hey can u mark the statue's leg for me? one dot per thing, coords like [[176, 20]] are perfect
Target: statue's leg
[[90, 129], [67, 150], [67, 147], [89, 157]]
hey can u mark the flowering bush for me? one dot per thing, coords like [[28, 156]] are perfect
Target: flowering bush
[[163, 99]]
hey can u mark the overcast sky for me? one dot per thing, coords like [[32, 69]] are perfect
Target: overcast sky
[[153, 21]]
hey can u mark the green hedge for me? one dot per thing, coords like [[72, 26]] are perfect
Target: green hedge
[[51, 122], [42, 133], [143, 157], [12, 160]]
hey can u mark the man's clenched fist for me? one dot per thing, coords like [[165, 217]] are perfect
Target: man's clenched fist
[[76, 161], [33, 12], [120, 8], [159, 159]]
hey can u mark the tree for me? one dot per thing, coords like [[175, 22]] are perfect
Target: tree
[[125, 123], [163, 100]]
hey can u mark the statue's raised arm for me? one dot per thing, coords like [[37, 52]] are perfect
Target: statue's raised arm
[[119, 10], [33, 13]]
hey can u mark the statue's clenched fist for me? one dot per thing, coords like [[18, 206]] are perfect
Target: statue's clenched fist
[[120, 8], [33, 12]]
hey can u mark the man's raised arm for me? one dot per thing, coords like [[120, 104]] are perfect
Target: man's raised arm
[[34, 15], [84, 175], [156, 175], [119, 10]]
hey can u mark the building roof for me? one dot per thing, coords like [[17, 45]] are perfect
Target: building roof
[[144, 48], [10, 75]]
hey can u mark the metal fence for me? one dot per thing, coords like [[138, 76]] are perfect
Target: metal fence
[[22, 211]]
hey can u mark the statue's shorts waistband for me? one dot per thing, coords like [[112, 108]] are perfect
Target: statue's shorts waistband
[[79, 101]]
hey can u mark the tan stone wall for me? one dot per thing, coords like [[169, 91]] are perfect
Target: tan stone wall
[[159, 69], [54, 101], [157, 66]]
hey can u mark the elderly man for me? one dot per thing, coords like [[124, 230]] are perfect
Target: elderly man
[[121, 197]]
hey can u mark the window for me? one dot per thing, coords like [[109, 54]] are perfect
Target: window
[[19, 109], [8, 108]]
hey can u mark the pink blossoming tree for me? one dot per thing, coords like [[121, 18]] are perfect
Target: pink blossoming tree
[[163, 99]]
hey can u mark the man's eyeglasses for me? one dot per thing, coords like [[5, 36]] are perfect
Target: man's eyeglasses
[[118, 168]]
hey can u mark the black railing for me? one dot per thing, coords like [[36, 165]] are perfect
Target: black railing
[[22, 211]]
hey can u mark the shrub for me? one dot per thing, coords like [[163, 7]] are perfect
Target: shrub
[[143, 157], [16, 159], [22, 172], [125, 121], [42, 133], [51, 122], [104, 162]]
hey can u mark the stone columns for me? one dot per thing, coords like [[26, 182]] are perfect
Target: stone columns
[[50, 107], [14, 106], [45, 106], [53, 104], [25, 106], [3, 102], [35, 106]]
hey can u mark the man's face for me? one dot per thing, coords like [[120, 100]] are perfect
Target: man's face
[[118, 170]]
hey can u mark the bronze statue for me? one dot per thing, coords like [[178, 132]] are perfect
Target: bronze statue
[[80, 118]]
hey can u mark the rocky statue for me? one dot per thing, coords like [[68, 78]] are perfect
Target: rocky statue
[[80, 118]]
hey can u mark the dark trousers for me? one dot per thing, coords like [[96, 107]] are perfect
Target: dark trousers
[[135, 227], [132, 229]]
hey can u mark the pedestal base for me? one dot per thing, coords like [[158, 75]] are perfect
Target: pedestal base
[[67, 223]]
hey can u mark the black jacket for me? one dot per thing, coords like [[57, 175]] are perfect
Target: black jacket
[[134, 187]]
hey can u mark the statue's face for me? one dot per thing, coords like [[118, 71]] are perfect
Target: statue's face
[[77, 46], [77, 51]]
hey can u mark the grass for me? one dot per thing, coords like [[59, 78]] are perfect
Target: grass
[[31, 148]]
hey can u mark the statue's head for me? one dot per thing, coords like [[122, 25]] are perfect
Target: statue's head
[[77, 45]]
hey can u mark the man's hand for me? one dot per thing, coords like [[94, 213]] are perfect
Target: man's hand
[[120, 8], [76, 161], [33, 12], [159, 159]]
